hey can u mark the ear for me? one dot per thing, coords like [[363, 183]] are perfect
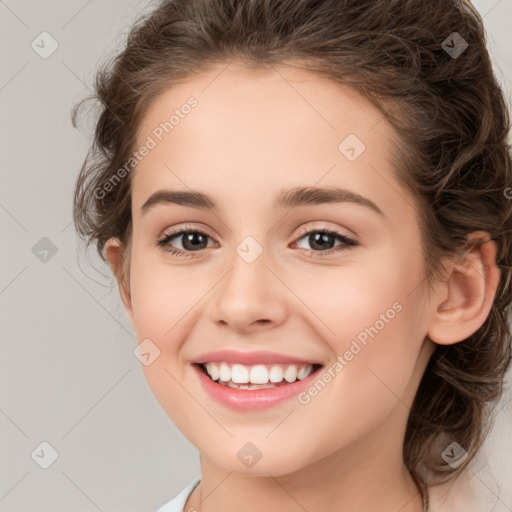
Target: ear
[[113, 253], [465, 299]]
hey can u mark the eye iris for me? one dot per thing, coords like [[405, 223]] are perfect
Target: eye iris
[[321, 240], [193, 239]]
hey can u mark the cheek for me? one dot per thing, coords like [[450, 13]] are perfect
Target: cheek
[[353, 296], [161, 295], [166, 302], [370, 318], [160, 303], [369, 377]]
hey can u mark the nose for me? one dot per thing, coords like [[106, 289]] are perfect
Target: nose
[[250, 297]]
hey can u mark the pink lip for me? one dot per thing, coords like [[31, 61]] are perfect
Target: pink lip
[[250, 400], [249, 358]]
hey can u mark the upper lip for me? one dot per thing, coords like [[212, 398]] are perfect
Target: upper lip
[[250, 358]]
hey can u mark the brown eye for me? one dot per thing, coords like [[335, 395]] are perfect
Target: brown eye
[[190, 240], [323, 241]]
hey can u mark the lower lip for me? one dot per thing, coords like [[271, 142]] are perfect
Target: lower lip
[[256, 399]]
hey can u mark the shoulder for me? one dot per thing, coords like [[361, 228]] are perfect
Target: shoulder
[[178, 502]]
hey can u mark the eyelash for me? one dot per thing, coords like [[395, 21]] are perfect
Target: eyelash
[[347, 243]]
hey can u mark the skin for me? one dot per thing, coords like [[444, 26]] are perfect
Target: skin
[[252, 134]]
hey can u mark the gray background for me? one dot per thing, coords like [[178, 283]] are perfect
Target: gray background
[[68, 375]]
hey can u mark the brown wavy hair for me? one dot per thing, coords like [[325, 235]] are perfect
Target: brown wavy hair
[[452, 124]]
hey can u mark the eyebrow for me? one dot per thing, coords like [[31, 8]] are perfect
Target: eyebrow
[[299, 196]]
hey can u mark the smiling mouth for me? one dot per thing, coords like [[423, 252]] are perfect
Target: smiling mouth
[[257, 376]]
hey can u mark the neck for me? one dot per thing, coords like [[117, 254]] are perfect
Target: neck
[[366, 475]]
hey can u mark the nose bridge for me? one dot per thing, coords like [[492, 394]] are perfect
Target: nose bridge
[[250, 262], [248, 293], [249, 275]]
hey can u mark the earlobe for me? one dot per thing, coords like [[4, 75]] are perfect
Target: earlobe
[[465, 300], [113, 253]]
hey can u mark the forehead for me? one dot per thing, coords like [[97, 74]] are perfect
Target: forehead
[[234, 96], [253, 131]]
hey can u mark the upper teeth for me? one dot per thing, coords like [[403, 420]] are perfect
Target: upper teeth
[[257, 374]]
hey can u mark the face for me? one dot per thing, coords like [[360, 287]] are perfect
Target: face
[[335, 280]]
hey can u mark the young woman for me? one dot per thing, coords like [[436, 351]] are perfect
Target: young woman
[[306, 205]]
